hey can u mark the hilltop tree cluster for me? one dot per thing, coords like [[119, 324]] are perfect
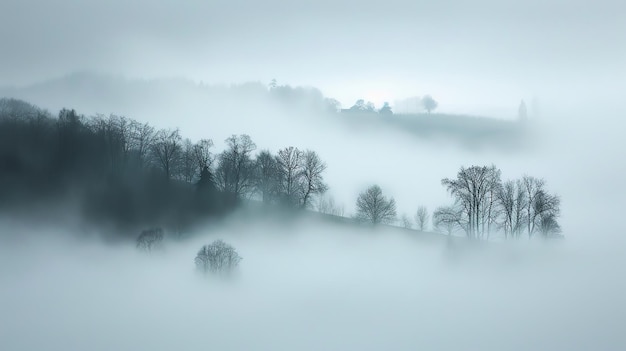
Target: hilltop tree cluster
[[425, 103], [484, 204], [129, 172]]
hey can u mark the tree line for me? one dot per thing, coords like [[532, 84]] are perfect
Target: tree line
[[483, 205], [129, 172], [123, 170]]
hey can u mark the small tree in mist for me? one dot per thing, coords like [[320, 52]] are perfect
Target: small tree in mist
[[429, 103], [386, 109], [267, 177], [217, 257], [373, 207], [448, 219], [235, 170], [474, 190], [289, 165], [327, 205], [421, 218], [166, 151], [312, 179], [150, 239], [406, 221]]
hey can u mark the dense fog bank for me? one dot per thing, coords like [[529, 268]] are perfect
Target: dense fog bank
[[310, 285]]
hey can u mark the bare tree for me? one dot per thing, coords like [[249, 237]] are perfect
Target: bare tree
[[421, 218], [235, 171], [532, 187], [149, 239], [312, 178], [429, 103], [202, 153], [289, 161], [267, 178], [188, 163], [548, 225], [512, 202], [546, 209], [115, 133], [406, 221], [474, 191], [142, 137], [327, 205], [167, 150], [217, 257], [449, 219], [373, 207]]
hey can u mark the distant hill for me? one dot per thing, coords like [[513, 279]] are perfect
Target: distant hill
[[470, 131], [183, 103]]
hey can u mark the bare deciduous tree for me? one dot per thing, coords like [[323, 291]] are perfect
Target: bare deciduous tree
[[142, 138], [217, 257], [167, 150], [373, 207], [541, 207], [512, 201], [289, 161], [150, 239], [406, 221], [449, 219], [474, 191], [532, 186], [235, 172], [188, 165], [548, 225], [421, 218], [312, 178], [267, 178], [202, 153], [546, 209], [327, 205], [115, 133]]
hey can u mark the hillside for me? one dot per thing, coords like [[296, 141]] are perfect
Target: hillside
[[182, 103]]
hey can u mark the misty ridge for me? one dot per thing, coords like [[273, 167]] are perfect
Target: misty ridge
[[157, 100], [117, 170]]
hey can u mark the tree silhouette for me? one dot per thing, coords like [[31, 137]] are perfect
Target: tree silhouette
[[429, 103], [217, 257], [421, 218], [267, 180], [289, 162], [149, 239], [235, 171], [167, 150], [375, 208], [449, 219], [312, 179], [475, 190], [386, 109]]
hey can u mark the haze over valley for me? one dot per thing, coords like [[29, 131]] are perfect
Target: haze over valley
[[312, 176]]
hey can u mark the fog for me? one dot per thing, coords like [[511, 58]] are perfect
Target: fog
[[312, 284], [483, 55]]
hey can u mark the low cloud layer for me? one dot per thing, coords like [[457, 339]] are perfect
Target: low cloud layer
[[312, 286]]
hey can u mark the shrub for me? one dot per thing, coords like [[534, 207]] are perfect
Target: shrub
[[217, 257]]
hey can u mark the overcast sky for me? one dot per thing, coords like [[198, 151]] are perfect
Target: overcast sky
[[483, 53]]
